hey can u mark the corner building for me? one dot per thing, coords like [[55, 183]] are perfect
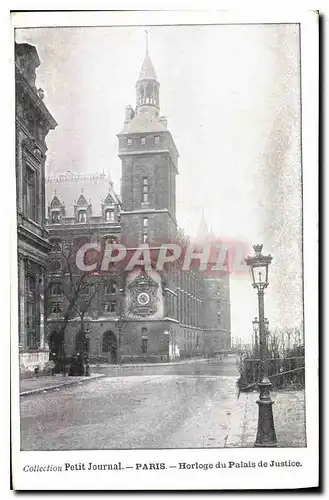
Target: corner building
[[33, 123], [167, 314]]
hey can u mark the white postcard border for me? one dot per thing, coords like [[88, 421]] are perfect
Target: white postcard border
[[217, 478]]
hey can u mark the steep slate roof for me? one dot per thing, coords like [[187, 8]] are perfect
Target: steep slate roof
[[142, 123], [55, 202], [82, 202], [68, 186]]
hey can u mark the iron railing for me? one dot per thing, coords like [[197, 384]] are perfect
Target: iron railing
[[282, 371]]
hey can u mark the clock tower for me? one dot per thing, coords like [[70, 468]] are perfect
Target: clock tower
[[149, 166]]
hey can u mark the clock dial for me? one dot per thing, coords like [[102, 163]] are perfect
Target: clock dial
[[143, 298]]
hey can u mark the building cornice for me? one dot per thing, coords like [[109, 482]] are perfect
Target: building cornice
[[23, 232], [32, 93]]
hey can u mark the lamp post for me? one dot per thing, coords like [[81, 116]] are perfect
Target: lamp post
[[120, 322], [255, 327], [259, 265], [87, 345]]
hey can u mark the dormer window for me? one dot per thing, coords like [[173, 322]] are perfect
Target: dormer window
[[55, 219], [82, 217], [109, 215], [129, 142], [143, 140], [156, 139]]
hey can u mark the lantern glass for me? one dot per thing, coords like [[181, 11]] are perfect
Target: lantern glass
[[252, 274], [260, 274]]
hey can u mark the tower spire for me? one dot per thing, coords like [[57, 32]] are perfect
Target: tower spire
[[147, 40]]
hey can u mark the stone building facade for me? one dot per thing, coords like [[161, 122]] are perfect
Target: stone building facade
[[140, 313], [33, 122]]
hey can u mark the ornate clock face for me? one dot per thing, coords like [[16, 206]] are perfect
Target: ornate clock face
[[143, 298]]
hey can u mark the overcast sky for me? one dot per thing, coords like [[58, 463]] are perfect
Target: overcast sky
[[231, 96]]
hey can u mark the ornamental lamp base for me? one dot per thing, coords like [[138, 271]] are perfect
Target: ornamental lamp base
[[266, 437]]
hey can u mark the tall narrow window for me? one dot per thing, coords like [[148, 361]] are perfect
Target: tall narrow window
[[109, 215], [82, 217], [55, 217], [145, 229], [145, 192], [30, 193]]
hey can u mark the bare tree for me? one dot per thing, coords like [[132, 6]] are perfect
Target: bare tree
[[75, 288]]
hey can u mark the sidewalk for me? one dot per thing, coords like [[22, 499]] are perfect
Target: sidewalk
[[35, 385], [289, 420]]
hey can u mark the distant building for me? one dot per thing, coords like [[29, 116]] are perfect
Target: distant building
[[33, 122], [162, 314]]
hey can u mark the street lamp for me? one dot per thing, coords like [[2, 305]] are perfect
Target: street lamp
[[120, 322], [258, 265]]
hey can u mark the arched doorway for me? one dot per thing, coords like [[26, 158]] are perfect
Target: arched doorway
[[56, 350], [109, 347], [56, 343]]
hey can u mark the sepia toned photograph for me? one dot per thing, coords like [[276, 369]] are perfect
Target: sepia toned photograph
[[162, 279]]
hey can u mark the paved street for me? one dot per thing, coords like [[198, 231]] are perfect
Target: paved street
[[188, 405], [185, 405]]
